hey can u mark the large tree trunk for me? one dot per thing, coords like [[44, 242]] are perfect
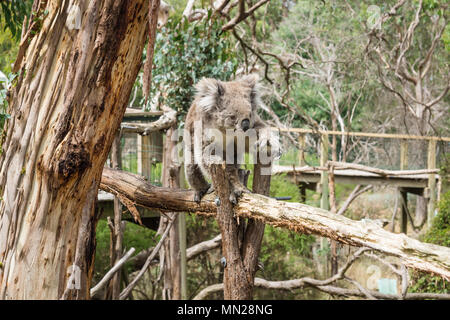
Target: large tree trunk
[[236, 280], [74, 83], [241, 241]]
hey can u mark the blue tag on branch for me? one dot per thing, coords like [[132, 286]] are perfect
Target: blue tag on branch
[[387, 286]]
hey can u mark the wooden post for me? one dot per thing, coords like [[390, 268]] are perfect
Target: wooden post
[[404, 155], [404, 206], [302, 190], [182, 239], [324, 202], [144, 162], [401, 193], [301, 151], [431, 181], [301, 163], [171, 247]]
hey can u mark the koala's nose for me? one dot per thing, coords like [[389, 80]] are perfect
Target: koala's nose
[[245, 124]]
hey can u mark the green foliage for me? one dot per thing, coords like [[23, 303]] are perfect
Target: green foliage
[[439, 234], [426, 283], [135, 236], [280, 248], [5, 83], [12, 13], [284, 253], [184, 53], [445, 170], [129, 162], [8, 51], [339, 36], [205, 269]]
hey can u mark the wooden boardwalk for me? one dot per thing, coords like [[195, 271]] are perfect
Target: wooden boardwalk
[[311, 176]]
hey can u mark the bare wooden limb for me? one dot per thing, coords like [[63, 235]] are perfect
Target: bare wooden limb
[[208, 290], [204, 246], [116, 246], [394, 213], [381, 172], [188, 9], [295, 216], [95, 290], [191, 252], [405, 209], [355, 193], [124, 294], [131, 207], [168, 119], [361, 289], [242, 15], [298, 284]]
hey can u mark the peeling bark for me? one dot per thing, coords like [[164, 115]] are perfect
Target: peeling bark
[[237, 281]]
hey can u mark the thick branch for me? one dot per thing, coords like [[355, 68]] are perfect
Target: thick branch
[[295, 216]]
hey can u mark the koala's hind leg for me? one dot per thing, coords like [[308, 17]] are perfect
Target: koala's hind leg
[[235, 176], [197, 181], [243, 176]]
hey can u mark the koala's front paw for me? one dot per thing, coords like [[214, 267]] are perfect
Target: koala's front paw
[[236, 193], [198, 195]]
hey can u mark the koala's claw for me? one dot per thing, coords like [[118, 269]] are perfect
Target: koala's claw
[[210, 190], [198, 195], [236, 193]]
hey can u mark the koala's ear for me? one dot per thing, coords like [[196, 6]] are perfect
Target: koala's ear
[[251, 80], [208, 93]]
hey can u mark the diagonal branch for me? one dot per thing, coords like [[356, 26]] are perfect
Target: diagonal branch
[[124, 294], [294, 216], [111, 273], [242, 14]]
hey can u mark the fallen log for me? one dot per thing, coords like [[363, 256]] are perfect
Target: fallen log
[[299, 217]]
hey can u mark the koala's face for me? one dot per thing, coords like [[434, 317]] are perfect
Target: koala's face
[[231, 105], [163, 14]]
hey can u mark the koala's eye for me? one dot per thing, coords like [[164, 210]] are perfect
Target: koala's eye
[[233, 118]]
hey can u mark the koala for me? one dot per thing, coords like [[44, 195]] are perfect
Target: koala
[[163, 14], [218, 124]]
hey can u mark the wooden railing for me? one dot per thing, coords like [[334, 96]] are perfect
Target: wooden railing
[[429, 192]]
